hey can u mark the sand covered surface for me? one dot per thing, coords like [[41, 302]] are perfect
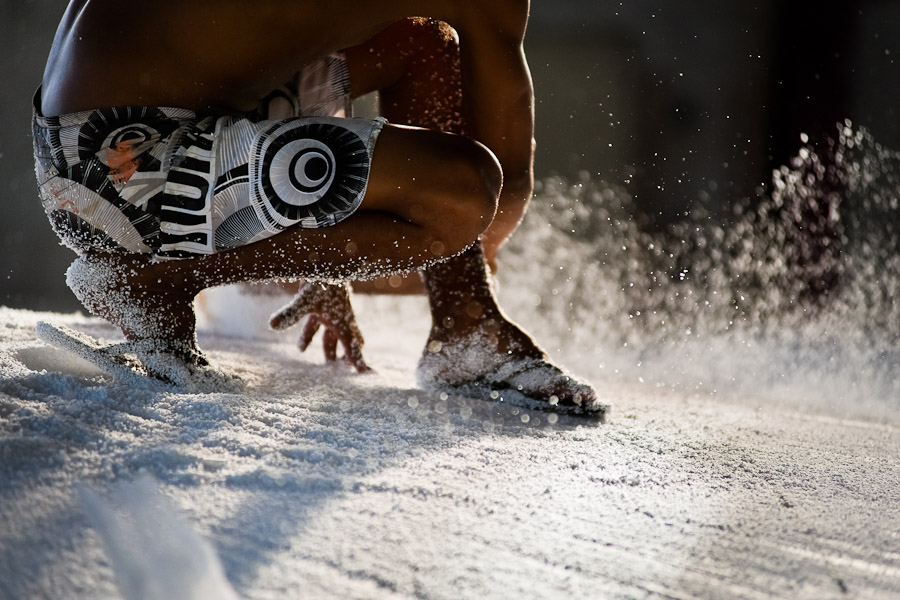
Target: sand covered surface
[[317, 482]]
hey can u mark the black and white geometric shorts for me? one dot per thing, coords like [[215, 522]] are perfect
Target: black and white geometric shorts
[[167, 182]]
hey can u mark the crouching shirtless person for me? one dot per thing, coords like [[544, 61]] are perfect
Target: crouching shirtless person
[[190, 144]]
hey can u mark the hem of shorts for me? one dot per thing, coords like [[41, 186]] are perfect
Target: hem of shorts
[[81, 116], [378, 124]]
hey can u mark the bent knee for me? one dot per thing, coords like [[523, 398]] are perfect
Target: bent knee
[[471, 189], [486, 181], [447, 184]]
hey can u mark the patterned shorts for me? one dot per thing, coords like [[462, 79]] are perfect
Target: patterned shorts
[[167, 182]]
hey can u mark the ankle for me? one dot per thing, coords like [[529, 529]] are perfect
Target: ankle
[[120, 291], [494, 333], [464, 319]]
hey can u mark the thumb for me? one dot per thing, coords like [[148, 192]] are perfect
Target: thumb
[[289, 314]]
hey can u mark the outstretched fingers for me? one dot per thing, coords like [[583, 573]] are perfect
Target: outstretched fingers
[[329, 344], [352, 343], [326, 307], [309, 331], [290, 314]]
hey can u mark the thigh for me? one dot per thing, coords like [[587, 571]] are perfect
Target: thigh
[[423, 176]]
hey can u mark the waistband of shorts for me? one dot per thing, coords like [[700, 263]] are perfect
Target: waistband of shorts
[[81, 117]]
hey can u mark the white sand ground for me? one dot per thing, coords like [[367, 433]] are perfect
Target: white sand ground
[[320, 483]]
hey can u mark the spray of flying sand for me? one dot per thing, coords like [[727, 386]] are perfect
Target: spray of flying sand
[[795, 294]]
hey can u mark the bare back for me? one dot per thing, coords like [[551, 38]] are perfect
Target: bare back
[[202, 55], [221, 56]]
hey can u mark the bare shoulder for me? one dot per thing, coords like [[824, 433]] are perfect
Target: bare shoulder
[[506, 19]]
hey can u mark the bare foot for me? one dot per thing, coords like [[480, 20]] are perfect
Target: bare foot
[[120, 289], [499, 361]]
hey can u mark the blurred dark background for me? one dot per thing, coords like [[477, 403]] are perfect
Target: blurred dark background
[[679, 102]]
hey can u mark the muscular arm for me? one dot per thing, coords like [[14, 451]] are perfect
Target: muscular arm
[[499, 100]]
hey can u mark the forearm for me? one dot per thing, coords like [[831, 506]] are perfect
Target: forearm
[[499, 104], [513, 204], [498, 97]]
